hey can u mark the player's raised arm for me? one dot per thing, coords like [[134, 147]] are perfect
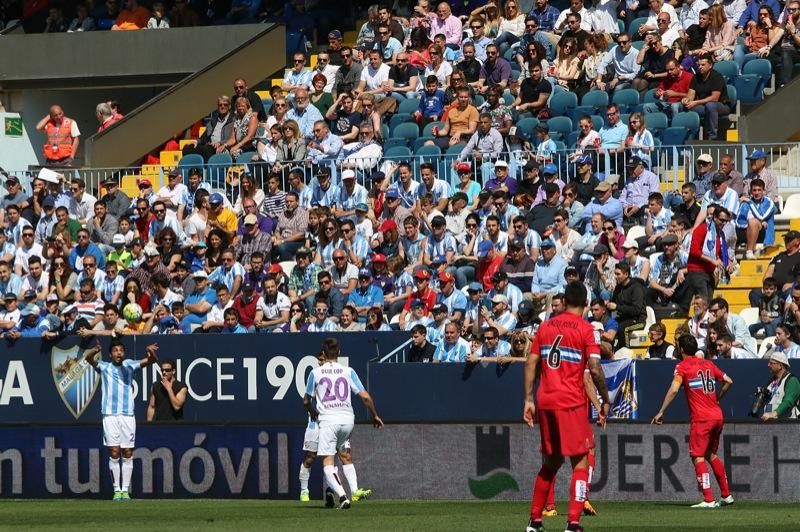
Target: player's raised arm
[[366, 398], [91, 354], [674, 388], [151, 355]]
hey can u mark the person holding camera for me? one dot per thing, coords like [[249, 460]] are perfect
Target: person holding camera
[[783, 391]]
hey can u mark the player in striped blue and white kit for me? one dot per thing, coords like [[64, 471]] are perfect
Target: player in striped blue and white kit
[[119, 423], [331, 385]]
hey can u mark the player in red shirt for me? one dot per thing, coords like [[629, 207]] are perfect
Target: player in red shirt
[[698, 377], [565, 345]]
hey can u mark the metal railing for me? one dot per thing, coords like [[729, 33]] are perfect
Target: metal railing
[[673, 164], [396, 356]]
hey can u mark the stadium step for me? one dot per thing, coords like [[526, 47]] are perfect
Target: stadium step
[[671, 324], [170, 158], [734, 296], [743, 281], [753, 267]]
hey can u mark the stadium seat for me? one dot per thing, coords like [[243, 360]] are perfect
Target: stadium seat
[[750, 315], [409, 106], [217, 167], [650, 96], [633, 28], [287, 266], [508, 98], [637, 44], [572, 139], [190, 161], [596, 98], [170, 158], [728, 69], [760, 67], [419, 142], [384, 131], [428, 154], [597, 122], [674, 136], [406, 130], [636, 231], [397, 152], [562, 102], [791, 209], [560, 126], [733, 97], [528, 125], [245, 157], [581, 110], [428, 129], [651, 317], [626, 99], [766, 344], [656, 123], [393, 142], [749, 88], [688, 119], [398, 119]]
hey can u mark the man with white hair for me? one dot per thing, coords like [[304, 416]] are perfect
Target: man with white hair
[[105, 116]]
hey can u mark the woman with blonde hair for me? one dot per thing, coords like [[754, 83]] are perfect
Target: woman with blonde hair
[[721, 35], [245, 124], [439, 67], [511, 27], [640, 141], [490, 15], [291, 147], [567, 66]]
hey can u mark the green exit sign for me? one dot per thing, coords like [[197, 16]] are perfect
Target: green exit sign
[[13, 126]]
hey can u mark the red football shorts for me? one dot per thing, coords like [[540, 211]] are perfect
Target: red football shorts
[[565, 432], [704, 437]]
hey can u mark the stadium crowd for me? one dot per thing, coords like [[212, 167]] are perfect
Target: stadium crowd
[[463, 255]]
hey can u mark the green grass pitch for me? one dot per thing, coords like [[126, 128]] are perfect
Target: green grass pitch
[[245, 515]]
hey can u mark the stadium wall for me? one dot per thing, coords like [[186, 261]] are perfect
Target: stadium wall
[[635, 461]]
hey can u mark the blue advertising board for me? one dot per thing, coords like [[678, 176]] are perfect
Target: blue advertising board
[[230, 378]]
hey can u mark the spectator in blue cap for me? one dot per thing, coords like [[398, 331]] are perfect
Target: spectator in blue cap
[[585, 180], [550, 175], [220, 217], [363, 223], [548, 277], [759, 170], [366, 295], [489, 261], [547, 148], [44, 227]]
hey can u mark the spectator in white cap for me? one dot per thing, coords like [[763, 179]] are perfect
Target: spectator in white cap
[[501, 179], [784, 389], [640, 266], [350, 195], [500, 317]]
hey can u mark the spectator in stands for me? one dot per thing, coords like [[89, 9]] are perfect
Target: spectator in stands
[[321, 321], [599, 275], [790, 45], [452, 348], [640, 266], [540, 217], [488, 15], [404, 78], [671, 89], [659, 348], [755, 221], [708, 255], [641, 184], [216, 134], [608, 327], [479, 39], [446, 24], [548, 277], [770, 309], [117, 203], [735, 324], [421, 350], [758, 170], [782, 267], [499, 317], [653, 57], [708, 96], [546, 15], [349, 74], [31, 324], [303, 281], [720, 36], [628, 302], [63, 137], [564, 237], [387, 45], [105, 116], [82, 20], [495, 71], [375, 80], [158, 20], [132, 17], [657, 7], [183, 15], [605, 204], [567, 64], [485, 145], [502, 286], [619, 67], [534, 92], [303, 113], [273, 307], [719, 194], [241, 89], [460, 124], [666, 281], [297, 77], [298, 319]]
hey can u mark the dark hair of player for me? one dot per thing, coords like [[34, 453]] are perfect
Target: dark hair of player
[[687, 345], [575, 294], [330, 347]]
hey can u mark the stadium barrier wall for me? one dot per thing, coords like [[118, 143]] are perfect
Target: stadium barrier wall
[[635, 461], [252, 378], [261, 379]]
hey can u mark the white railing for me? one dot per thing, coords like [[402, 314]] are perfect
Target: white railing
[[671, 163]]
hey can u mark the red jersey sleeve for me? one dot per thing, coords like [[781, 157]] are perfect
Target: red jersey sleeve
[[719, 375]]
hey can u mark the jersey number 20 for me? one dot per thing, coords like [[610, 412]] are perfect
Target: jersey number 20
[[337, 390], [554, 356]]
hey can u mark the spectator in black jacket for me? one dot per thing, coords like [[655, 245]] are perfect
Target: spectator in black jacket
[[628, 302], [421, 349]]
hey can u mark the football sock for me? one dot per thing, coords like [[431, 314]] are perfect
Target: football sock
[[127, 471], [333, 480], [591, 470], [541, 486], [578, 491], [113, 465], [722, 478], [703, 480], [305, 473], [350, 475], [551, 496]]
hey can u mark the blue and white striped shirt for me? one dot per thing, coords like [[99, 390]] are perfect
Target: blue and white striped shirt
[[324, 198], [108, 287], [226, 276], [502, 349], [326, 253], [348, 202], [436, 334], [501, 246], [327, 326], [412, 248], [456, 352], [507, 320], [729, 200], [407, 197], [117, 384], [440, 189], [437, 250], [456, 301]]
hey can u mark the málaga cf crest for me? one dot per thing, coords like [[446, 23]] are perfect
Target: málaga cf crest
[[76, 381]]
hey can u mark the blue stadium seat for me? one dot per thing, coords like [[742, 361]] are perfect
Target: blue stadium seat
[[419, 142], [397, 153], [749, 88], [572, 139], [528, 125], [560, 127], [674, 136], [626, 99], [597, 122], [650, 96], [733, 97], [581, 110], [596, 98], [689, 120], [393, 142], [728, 69], [396, 120], [190, 161], [428, 129], [406, 130], [508, 98], [656, 123], [217, 167], [637, 44], [428, 153], [385, 131], [408, 106], [562, 102], [245, 157], [633, 28], [761, 67]]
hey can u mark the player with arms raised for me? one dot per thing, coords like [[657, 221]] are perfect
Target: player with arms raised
[[119, 423], [331, 385], [565, 345], [698, 377]]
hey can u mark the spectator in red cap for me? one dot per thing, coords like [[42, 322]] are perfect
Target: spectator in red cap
[[454, 300], [466, 184], [422, 292], [380, 274], [387, 241]]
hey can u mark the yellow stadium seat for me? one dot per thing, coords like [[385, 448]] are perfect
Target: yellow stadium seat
[[264, 95], [753, 267], [313, 61], [737, 308], [734, 297], [201, 131], [276, 82], [129, 185], [671, 324], [745, 281], [170, 158], [184, 142]]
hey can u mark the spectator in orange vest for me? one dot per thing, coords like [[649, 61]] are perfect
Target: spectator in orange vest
[[63, 137], [133, 17]]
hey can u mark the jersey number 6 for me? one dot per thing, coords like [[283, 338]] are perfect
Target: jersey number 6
[[554, 355]]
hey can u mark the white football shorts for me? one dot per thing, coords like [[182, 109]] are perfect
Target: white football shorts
[[311, 439], [119, 431], [333, 438]]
